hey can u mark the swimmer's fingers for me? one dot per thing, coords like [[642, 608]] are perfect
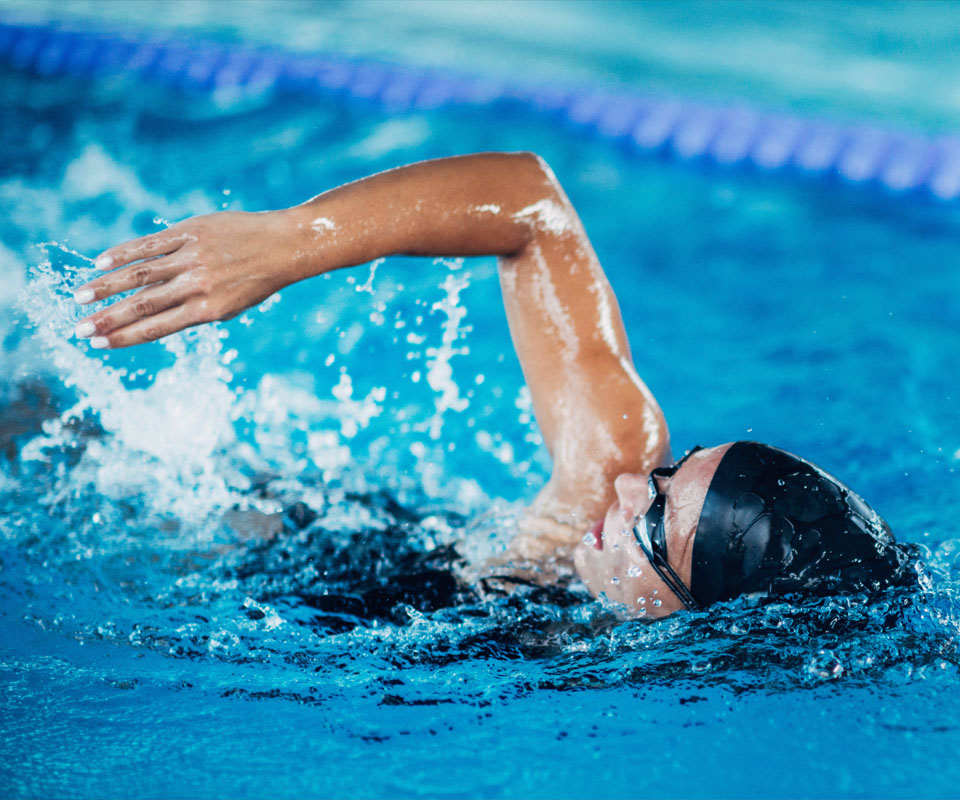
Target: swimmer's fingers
[[145, 303], [152, 328], [135, 276], [161, 243]]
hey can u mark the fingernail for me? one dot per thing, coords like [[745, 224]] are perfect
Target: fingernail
[[83, 297], [103, 262], [84, 329], [99, 342]]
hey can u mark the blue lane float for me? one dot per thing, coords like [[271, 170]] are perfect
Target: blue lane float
[[904, 163]]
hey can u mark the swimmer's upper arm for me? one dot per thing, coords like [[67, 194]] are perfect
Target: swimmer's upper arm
[[597, 417]]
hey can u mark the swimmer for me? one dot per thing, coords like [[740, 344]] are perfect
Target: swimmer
[[655, 536]]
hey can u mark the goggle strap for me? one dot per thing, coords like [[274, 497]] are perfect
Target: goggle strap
[[657, 559], [673, 581]]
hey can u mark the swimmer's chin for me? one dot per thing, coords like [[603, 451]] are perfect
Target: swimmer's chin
[[585, 558]]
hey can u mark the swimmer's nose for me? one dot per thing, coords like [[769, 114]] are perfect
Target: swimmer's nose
[[632, 492]]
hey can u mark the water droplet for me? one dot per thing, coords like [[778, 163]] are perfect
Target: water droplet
[[825, 666], [634, 571], [615, 580], [641, 601], [658, 602]]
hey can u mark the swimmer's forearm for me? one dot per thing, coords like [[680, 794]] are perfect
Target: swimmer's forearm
[[214, 267], [463, 206]]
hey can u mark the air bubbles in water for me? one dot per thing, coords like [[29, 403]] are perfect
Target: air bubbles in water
[[825, 666], [223, 642]]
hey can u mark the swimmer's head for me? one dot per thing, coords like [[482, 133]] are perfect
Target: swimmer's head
[[741, 518]]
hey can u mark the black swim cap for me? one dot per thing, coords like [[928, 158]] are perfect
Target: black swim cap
[[774, 523]]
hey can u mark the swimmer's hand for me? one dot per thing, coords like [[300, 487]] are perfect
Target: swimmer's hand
[[201, 270]]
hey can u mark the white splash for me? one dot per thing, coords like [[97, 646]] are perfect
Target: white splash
[[488, 208], [269, 303], [161, 441], [270, 620], [367, 286], [439, 369], [356, 414]]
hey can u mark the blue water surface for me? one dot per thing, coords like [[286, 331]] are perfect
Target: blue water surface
[[173, 516]]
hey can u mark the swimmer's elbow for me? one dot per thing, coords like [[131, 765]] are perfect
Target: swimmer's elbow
[[529, 159], [536, 168], [542, 208]]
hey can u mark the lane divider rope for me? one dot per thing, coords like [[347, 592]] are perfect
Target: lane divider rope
[[902, 162]]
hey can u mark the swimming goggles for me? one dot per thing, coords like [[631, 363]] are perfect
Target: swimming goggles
[[651, 536]]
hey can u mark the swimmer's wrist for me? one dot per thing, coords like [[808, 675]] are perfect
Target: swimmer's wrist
[[321, 242]]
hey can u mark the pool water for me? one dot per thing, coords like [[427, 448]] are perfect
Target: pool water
[[209, 546]]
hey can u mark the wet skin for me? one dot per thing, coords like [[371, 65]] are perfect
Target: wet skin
[[614, 564], [598, 419]]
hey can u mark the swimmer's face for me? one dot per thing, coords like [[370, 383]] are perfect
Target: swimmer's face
[[616, 566]]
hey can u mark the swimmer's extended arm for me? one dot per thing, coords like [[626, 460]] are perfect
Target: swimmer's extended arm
[[597, 417]]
